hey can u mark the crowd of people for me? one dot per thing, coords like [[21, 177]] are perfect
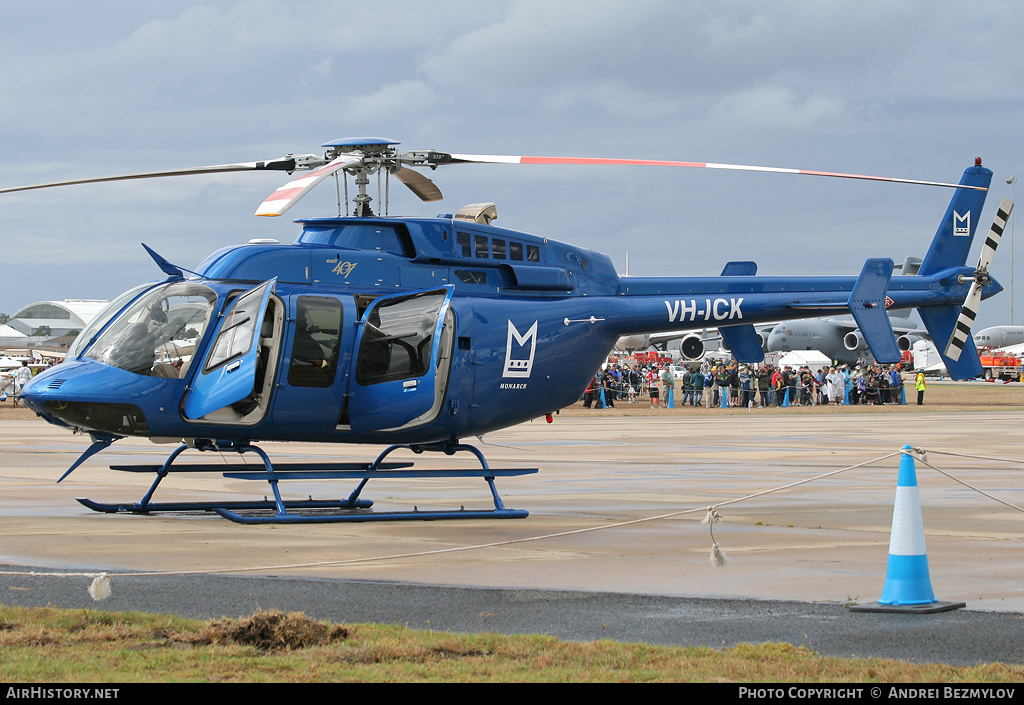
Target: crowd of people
[[12, 381], [716, 384]]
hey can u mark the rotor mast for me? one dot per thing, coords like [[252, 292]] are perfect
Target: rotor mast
[[375, 153]]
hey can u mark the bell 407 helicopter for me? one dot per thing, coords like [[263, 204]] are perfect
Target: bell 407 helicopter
[[418, 332]]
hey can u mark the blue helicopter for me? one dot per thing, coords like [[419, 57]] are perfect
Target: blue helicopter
[[415, 333]]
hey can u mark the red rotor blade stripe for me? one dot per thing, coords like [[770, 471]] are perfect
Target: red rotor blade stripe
[[285, 196]]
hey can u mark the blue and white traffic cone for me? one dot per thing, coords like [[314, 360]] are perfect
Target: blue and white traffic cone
[[785, 399], [725, 399], [671, 404], [906, 580], [908, 586], [903, 396]]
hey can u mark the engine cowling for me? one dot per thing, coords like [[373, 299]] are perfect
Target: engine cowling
[[854, 341], [691, 347], [630, 343]]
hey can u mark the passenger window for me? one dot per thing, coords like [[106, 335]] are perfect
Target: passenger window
[[498, 248], [515, 251], [317, 342], [481, 247], [398, 338], [464, 244], [532, 253]]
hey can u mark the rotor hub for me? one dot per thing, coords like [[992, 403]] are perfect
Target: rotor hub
[[374, 147]]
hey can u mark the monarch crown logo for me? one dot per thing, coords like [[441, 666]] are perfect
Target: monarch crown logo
[[961, 224], [519, 351]]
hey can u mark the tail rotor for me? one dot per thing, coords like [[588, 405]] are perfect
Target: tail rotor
[[962, 331]]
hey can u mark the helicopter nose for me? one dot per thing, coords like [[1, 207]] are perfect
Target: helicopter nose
[[44, 385], [91, 396]]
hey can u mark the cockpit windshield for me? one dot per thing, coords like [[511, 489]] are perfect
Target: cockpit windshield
[[101, 319], [157, 334]]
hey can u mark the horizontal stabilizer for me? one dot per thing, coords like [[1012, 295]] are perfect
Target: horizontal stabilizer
[[867, 304], [743, 342]]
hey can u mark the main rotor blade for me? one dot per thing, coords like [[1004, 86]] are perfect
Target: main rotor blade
[[500, 159], [285, 196], [279, 164], [419, 184]]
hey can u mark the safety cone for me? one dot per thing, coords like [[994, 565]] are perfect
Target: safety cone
[[903, 396], [785, 400], [725, 399], [908, 587], [671, 403]]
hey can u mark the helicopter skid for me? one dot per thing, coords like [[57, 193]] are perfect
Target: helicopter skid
[[156, 507], [373, 472], [415, 515], [279, 511]]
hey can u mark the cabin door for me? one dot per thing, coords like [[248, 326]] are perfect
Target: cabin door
[[229, 373], [317, 354], [403, 358]]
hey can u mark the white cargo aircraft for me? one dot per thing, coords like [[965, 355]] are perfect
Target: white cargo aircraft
[[999, 336]]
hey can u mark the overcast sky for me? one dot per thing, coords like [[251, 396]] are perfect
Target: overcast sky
[[906, 89]]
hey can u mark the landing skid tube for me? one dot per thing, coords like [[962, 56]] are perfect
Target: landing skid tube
[[279, 511]]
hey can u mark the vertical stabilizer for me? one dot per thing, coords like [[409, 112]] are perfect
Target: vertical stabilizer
[[952, 240], [949, 249]]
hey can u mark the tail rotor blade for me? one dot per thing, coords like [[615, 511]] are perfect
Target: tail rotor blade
[[995, 234], [962, 330]]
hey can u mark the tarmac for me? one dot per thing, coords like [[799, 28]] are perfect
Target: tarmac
[[613, 547]]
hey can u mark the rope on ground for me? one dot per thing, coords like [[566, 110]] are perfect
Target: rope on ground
[[921, 455], [100, 588], [718, 558]]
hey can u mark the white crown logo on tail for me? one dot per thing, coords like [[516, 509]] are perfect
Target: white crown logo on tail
[[962, 224], [519, 358]]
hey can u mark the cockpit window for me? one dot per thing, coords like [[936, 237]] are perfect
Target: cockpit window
[[102, 318], [157, 334]]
